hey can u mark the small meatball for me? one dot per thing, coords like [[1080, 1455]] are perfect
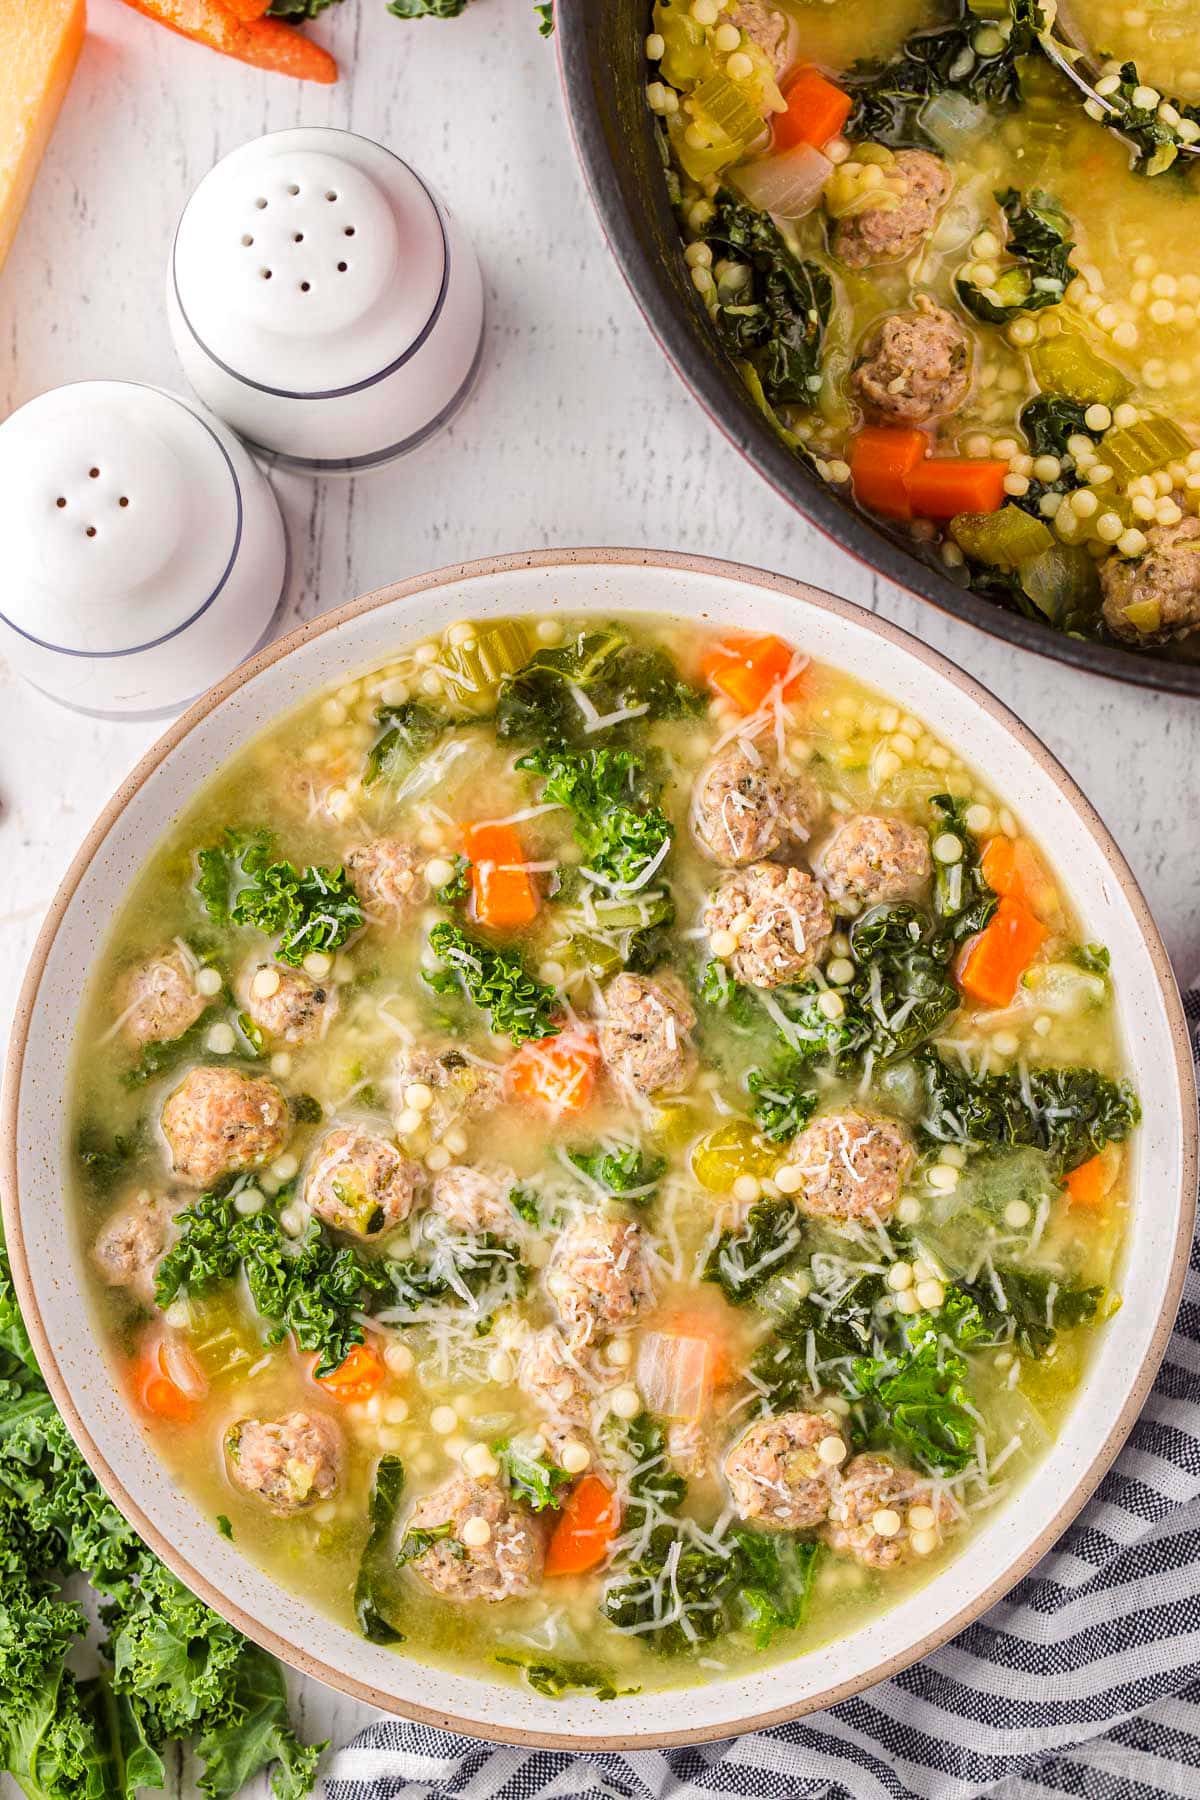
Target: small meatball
[[874, 1492], [743, 808], [475, 1200], [767, 26], [769, 923], [874, 857], [689, 1448], [776, 1475], [286, 1004], [598, 1276], [384, 875], [562, 1383], [852, 1166], [504, 1565], [289, 1463], [130, 1243], [157, 1000], [884, 235], [462, 1088], [1166, 580], [218, 1122], [915, 366], [359, 1182], [644, 1034]]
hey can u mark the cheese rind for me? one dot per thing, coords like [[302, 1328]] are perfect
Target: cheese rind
[[40, 41]]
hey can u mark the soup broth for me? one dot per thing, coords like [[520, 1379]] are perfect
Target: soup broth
[[599, 1149]]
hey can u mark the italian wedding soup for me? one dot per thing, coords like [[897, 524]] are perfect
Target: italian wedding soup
[[600, 1151], [967, 294]]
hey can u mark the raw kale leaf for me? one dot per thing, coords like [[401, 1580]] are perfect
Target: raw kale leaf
[[387, 1487], [409, 731], [962, 899], [496, 981], [1034, 1309], [537, 703], [532, 1479], [1040, 242], [556, 1676], [783, 1099], [890, 96], [618, 825], [1071, 1114], [426, 9], [299, 9], [747, 1256], [621, 1169], [778, 323]]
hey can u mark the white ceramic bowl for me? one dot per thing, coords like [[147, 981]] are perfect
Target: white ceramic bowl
[[50, 1278]]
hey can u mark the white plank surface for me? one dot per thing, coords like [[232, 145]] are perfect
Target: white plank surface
[[578, 433]]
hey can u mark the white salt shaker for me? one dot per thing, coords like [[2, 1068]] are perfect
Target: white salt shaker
[[144, 553], [323, 302]]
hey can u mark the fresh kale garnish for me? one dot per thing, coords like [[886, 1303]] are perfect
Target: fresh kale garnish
[[747, 1256], [556, 1676], [962, 899], [409, 731], [777, 324], [1071, 1114], [387, 1487], [1027, 1307], [890, 96], [540, 703], [621, 1169], [517, 1004], [783, 1099], [1039, 240], [531, 1478], [618, 824]]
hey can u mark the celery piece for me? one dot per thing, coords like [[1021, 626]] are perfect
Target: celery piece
[[599, 959], [1002, 540], [688, 57], [474, 669], [1062, 582], [722, 110], [635, 914], [1068, 365], [1150, 444], [732, 1149]]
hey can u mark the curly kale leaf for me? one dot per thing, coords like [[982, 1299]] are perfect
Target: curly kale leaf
[[517, 1004], [1027, 1308], [316, 909], [409, 731], [223, 869], [920, 1403], [1039, 240], [794, 1361], [299, 9], [611, 792], [387, 1489], [541, 702], [747, 1256], [532, 1478], [774, 1581], [1050, 421], [426, 9], [160, 1055], [890, 96], [778, 324], [962, 898], [621, 1169], [783, 1099], [1070, 1114], [717, 991]]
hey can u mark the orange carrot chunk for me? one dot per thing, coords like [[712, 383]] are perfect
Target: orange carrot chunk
[[747, 670], [1090, 1184], [995, 960], [504, 894], [586, 1527], [816, 110], [167, 1381], [1012, 867], [356, 1377], [265, 43], [558, 1073], [943, 486], [882, 460]]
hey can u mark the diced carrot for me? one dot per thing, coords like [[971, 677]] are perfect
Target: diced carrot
[[557, 1073], [356, 1377], [816, 110], [943, 486], [503, 890], [586, 1527], [1012, 867], [995, 960], [170, 1388], [882, 460], [1091, 1183], [265, 43], [748, 669]]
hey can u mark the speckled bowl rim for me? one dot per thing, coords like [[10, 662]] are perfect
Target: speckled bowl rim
[[305, 1661]]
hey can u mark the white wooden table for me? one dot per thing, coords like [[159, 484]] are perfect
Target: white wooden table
[[578, 432]]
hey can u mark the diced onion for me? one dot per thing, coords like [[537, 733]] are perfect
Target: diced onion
[[674, 1374], [180, 1366], [788, 185], [953, 121]]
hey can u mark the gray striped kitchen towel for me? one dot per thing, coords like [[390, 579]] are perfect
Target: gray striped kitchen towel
[[1084, 1681]]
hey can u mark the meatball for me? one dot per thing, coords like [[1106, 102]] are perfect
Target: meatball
[[644, 1034], [598, 1276], [769, 923], [287, 1463], [384, 874], [743, 808], [287, 1004], [458, 1566], [871, 1513], [157, 1000], [777, 1475], [915, 366], [131, 1242], [1166, 581], [218, 1121], [463, 1088], [561, 1382], [359, 1182], [883, 234], [768, 28], [874, 857], [475, 1200], [851, 1166]]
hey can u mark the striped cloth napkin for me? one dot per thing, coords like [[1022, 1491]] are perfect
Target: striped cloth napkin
[[1085, 1681]]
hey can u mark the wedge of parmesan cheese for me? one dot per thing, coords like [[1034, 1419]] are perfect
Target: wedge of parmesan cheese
[[40, 41]]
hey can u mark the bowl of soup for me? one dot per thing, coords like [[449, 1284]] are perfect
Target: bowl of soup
[[947, 304], [595, 1174]]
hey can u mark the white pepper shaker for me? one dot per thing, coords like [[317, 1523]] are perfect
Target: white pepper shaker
[[144, 551], [323, 302]]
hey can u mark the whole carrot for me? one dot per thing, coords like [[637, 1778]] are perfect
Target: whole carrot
[[264, 43]]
